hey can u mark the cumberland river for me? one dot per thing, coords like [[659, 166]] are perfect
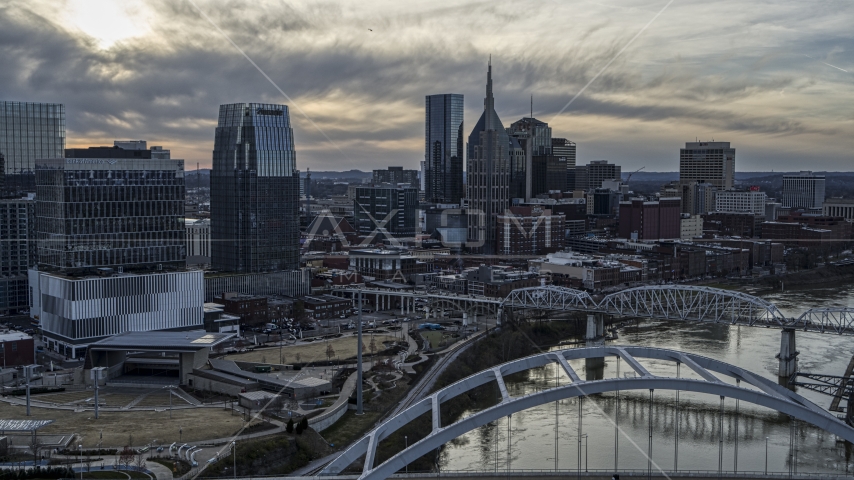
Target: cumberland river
[[532, 436]]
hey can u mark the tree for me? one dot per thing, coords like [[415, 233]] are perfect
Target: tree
[[290, 426], [126, 457], [35, 446], [140, 460], [304, 423], [299, 428], [373, 347], [330, 352]]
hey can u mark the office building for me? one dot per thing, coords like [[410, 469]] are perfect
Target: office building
[[397, 176], [119, 211], [749, 201], [488, 174], [385, 212], [534, 139], [701, 197], [839, 207], [591, 176], [443, 149], [803, 190], [142, 145], [643, 220], [17, 252], [198, 242], [29, 131], [548, 174], [530, 230], [254, 190], [709, 162], [77, 311], [563, 148]]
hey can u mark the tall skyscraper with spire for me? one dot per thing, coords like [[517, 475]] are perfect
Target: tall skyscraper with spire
[[488, 174]]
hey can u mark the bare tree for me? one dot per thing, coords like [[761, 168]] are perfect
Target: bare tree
[[140, 460], [87, 460], [330, 352], [126, 457], [35, 446], [372, 346]]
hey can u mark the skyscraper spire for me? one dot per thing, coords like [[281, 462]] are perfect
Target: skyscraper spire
[[489, 101]]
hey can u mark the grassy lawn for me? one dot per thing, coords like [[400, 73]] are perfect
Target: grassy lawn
[[436, 337], [145, 426], [349, 428], [313, 352], [182, 467]]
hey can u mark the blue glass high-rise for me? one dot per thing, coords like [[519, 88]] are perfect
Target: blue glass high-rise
[[443, 152], [254, 190], [29, 131]]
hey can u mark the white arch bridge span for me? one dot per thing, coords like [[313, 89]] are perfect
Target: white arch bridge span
[[717, 378]]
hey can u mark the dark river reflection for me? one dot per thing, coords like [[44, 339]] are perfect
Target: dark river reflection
[[532, 434]]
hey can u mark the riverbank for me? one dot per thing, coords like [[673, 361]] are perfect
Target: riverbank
[[816, 277]]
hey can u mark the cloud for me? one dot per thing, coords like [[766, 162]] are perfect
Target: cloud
[[700, 70]]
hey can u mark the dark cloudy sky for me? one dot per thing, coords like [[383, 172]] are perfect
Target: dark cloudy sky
[[772, 77]]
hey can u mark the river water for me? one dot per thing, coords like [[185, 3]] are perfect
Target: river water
[[532, 432]]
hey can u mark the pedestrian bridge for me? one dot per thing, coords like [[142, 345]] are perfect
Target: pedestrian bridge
[[716, 378], [664, 302]]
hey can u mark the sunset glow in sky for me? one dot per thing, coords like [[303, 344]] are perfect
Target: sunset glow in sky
[[774, 78]]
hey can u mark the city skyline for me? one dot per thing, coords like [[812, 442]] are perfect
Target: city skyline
[[770, 85]]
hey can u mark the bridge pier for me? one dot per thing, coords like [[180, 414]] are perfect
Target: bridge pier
[[595, 337], [788, 355]]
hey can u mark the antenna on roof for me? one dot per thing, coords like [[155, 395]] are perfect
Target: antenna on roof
[[532, 107]]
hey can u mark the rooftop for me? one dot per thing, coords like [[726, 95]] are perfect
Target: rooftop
[[190, 341]]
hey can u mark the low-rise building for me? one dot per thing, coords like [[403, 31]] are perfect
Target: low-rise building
[[251, 309], [839, 207], [578, 271], [17, 349], [530, 230], [324, 307], [498, 281], [380, 264]]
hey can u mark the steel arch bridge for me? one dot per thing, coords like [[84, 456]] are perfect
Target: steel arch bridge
[[761, 392], [838, 320], [695, 303], [549, 297], [667, 302]]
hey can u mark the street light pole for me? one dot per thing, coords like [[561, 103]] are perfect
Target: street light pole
[[80, 449], [406, 442], [234, 456], [766, 455], [586, 443]]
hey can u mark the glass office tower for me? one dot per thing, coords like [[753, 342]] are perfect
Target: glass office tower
[[110, 208], [254, 190], [443, 152], [29, 131]]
